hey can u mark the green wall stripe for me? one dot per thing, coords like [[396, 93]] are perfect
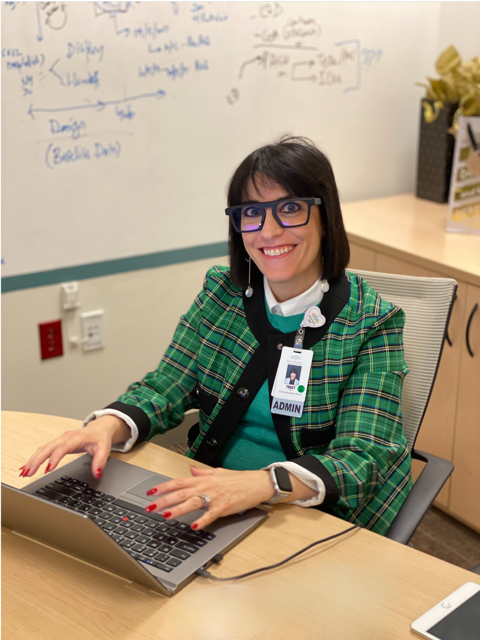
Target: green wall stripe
[[110, 267]]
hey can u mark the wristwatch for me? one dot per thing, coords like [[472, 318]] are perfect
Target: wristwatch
[[282, 484]]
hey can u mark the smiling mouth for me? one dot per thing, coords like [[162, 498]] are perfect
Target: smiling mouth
[[278, 252]]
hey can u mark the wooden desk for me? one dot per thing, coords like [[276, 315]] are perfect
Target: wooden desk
[[360, 586], [414, 231]]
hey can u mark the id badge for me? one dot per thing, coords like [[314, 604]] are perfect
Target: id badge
[[291, 381]]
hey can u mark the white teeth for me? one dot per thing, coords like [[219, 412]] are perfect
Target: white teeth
[[277, 252]]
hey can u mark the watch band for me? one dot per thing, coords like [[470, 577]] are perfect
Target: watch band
[[281, 483]]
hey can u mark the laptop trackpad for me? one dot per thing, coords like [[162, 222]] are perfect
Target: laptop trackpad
[[137, 494]]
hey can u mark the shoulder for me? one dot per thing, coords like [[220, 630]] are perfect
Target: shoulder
[[366, 306], [219, 286]]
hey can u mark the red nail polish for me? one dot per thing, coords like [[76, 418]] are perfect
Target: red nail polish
[[22, 468], [150, 507], [48, 468], [99, 474], [194, 526], [150, 492], [25, 473], [167, 514]]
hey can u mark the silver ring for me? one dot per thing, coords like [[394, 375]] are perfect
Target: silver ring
[[205, 499]]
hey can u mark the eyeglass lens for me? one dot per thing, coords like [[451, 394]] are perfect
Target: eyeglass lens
[[291, 213]]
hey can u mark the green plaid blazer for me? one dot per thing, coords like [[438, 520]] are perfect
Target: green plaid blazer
[[350, 433]]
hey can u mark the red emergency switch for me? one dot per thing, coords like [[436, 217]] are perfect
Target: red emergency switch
[[51, 339]]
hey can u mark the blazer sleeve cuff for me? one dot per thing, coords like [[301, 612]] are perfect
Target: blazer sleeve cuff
[[136, 419], [313, 464]]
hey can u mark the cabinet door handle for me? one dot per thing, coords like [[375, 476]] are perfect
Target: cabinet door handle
[[446, 332], [467, 334]]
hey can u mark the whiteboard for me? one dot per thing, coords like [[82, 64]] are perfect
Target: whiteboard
[[122, 122]]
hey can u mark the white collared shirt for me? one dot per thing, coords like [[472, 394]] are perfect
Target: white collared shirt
[[294, 306]]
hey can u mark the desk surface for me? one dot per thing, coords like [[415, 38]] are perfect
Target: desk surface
[[360, 586], [410, 227]]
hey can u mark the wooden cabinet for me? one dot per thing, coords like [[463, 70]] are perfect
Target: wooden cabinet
[[361, 258], [465, 485], [451, 426]]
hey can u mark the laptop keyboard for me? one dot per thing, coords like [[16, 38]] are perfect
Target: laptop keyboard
[[161, 543]]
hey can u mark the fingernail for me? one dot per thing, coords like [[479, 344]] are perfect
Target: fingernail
[[167, 514], [25, 472], [22, 468], [99, 474], [150, 492], [194, 526], [48, 468], [150, 507]]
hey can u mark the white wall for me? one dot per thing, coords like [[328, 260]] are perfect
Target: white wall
[[460, 26], [141, 308]]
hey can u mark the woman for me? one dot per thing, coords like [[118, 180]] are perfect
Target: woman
[[343, 446]]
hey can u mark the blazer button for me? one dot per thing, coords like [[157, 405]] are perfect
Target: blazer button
[[243, 393], [212, 443], [279, 346]]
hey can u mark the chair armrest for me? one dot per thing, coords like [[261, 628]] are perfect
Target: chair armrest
[[434, 475]]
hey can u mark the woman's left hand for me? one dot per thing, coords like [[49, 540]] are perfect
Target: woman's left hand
[[229, 492]]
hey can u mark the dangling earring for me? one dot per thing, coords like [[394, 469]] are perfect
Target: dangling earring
[[249, 290]]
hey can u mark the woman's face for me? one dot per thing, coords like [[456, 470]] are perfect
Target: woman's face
[[299, 266]]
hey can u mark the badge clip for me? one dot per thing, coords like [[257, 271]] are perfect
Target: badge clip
[[313, 318], [299, 337]]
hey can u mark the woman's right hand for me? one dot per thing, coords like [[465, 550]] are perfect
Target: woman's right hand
[[96, 439]]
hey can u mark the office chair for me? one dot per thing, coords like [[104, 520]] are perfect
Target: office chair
[[427, 303]]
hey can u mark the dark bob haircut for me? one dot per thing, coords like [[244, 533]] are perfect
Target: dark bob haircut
[[304, 172]]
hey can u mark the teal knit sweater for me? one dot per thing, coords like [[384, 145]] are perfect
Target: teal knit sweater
[[254, 443]]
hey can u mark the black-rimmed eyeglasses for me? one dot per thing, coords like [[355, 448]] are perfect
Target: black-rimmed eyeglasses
[[291, 212]]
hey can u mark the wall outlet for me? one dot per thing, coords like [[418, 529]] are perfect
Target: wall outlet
[[69, 295], [51, 344], [92, 330]]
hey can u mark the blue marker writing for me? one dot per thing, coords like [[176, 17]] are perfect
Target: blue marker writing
[[85, 48], [74, 127], [55, 156]]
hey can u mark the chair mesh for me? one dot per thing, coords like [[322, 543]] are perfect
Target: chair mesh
[[426, 303]]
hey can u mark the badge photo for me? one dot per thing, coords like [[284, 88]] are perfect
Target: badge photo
[[294, 372]]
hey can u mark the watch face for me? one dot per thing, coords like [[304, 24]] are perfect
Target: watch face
[[283, 479]]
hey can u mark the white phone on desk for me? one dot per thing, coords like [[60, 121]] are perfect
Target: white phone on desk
[[455, 618]]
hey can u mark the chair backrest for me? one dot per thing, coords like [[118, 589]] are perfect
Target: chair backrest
[[427, 303]]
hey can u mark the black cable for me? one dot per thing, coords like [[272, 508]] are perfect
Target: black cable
[[206, 574]]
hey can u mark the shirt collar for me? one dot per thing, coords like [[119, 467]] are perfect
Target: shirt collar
[[296, 305]]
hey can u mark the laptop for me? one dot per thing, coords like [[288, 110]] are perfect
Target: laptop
[[104, 523]]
